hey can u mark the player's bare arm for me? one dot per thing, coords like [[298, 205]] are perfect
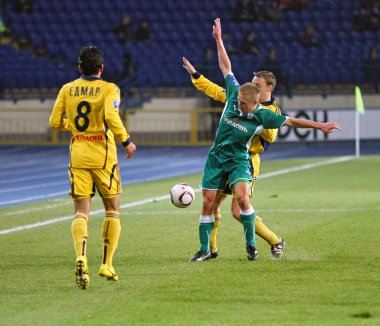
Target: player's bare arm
[[326, 127], [224, 61]]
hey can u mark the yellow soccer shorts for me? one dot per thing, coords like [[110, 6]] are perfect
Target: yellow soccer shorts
[[83, 182]]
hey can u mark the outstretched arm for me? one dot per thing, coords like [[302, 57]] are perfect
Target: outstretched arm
[[326, 127], [204, 85], [224, 61]]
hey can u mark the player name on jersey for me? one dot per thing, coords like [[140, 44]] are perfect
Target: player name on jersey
[[84, 91]]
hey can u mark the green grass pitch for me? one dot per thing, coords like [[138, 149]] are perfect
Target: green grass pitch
[[329, 275]]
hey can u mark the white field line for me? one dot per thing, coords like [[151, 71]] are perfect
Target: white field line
[[31, 177], [306, 166], [46, 207], [280, 210], [54, 194], [35, 186], [65, 218], [165, 197]]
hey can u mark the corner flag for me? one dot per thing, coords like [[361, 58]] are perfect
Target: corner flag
[[359, 100]]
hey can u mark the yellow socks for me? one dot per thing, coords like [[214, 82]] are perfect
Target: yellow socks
[[110, 232], [260, 229], [263, 232], [79, 233], [214, 232]]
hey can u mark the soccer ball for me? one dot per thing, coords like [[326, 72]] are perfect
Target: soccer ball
[[182, 195]]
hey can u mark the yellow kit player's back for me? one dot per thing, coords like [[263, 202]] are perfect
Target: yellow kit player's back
[[91, 106], [88, 107]]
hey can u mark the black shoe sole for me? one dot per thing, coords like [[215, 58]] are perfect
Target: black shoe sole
[[214, 255], [81, 281], [253, 258], [195, 260]]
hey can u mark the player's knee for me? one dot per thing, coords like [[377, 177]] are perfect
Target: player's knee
[[207, 203], [243, 202], [112, 203]]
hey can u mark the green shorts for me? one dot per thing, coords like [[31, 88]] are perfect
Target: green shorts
[[220, 170]]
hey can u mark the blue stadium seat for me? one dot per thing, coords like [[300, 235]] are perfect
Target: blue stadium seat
[[334, 26], [307, 17], [346, 76], [36, 40], [65, 26], [320, 5], [334, 6], [343, 37], [369, 36]]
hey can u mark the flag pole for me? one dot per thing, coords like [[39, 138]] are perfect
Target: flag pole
[[357, 134], [359, 106]]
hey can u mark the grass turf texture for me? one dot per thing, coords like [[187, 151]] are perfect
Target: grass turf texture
[[329, 274]]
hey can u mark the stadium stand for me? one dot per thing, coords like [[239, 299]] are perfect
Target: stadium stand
[[47, 37]]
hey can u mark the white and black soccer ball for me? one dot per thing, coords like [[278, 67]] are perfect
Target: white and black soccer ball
[[182, 195]]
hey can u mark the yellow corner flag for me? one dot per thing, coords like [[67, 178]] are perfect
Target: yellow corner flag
[[359, 100]]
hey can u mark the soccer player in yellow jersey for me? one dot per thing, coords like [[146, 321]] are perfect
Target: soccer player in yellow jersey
[[88, 107], [265, 81]]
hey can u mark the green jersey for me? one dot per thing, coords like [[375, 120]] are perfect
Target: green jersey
[[236, 129]]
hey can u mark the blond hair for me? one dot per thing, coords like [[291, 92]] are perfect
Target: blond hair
[[250, 91]]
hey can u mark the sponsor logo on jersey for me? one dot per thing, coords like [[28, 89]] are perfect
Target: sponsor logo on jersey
[[89, 138], [233, 80], [116, 104], [235, 125]]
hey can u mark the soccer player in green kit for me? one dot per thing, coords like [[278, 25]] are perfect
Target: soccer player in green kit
[[228, 159], [266, 82]]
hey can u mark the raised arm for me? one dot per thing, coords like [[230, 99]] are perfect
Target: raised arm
[[326, 127], [204, 85], [224, 61]]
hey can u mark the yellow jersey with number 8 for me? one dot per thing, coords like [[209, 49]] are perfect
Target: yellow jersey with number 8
[[88, 107]]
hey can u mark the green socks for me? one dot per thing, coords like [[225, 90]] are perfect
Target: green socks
[[206, 224], [248, 220]]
